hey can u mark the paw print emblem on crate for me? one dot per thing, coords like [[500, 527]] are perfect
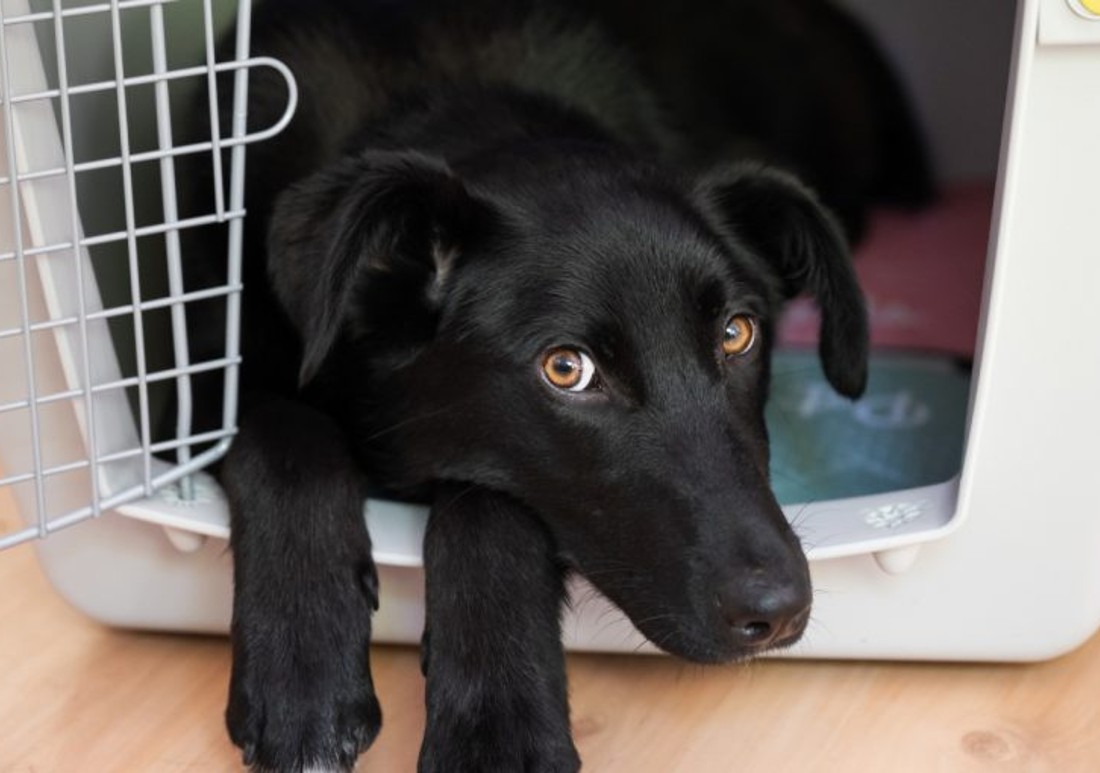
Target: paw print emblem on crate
[[893, 515]]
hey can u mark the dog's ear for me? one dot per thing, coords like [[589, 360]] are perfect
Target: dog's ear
[[397, 219], [783, 223]]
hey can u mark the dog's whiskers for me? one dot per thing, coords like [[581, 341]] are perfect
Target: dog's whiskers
[[412, 420]]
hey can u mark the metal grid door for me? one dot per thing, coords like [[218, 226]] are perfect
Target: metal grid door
[[93, 307]]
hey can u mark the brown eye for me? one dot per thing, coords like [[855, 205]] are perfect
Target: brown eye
[[739, 335], [568, 369]]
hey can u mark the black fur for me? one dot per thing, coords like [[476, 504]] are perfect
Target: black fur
[[301, 691], [491, 557], [466, 186], [797, 83]]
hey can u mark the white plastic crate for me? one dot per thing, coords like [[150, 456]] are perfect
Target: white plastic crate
[[998, 562]]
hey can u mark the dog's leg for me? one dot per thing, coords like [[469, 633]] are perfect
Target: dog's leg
[[492, 649], [301, 695]]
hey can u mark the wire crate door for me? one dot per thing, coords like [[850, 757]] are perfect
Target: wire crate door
[[77, 433], [58, 435]]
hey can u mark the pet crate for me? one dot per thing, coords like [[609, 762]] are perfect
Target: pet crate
[[947, 515]]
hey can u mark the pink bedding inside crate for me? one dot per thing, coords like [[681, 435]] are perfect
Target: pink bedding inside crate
[[922, 273]]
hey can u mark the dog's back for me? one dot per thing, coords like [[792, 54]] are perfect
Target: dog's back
[[361, 66], [801, 83]]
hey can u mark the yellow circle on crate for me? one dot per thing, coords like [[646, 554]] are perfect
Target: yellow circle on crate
[[1092, 6]]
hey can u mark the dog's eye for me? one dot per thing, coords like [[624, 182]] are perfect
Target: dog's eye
[[568, 369], [739, 335]]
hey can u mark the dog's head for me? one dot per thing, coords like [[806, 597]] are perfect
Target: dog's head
[[592, 337]]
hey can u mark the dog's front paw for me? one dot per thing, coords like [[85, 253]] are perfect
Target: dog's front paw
[[300, 720], [301, 695], [503, 742]]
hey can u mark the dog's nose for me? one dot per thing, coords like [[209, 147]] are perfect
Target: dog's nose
[[762, 616]]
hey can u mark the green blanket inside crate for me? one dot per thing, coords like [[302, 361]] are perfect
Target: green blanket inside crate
[[906, 431]]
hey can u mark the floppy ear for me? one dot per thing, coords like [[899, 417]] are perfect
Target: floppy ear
[[395, 218], [784, 224]]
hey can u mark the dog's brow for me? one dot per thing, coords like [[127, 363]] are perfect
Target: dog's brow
[[713, 297]]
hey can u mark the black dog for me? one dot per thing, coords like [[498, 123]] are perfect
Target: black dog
[[483, 267]]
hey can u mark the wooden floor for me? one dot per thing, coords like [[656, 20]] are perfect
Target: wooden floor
[[75, 696]]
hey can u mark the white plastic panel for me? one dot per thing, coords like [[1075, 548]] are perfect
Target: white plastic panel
[[1069, 22]]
